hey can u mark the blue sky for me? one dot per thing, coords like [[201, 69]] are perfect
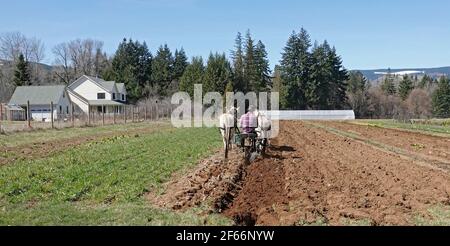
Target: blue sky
[[367, 34]]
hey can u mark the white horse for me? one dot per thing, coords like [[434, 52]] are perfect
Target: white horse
[[226, 126], [264, 126]]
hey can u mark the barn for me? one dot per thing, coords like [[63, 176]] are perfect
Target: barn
[[40, 99]]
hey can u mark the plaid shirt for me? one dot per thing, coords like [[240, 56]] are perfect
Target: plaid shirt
[[248, 122]]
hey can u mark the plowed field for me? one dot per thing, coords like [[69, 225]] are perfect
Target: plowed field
[[322, 172]]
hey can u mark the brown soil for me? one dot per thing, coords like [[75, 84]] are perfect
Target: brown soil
[[434, 149], [48, 148], [312, 175], [214, 181]]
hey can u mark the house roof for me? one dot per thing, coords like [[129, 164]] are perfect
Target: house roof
[[120, 87], [107, 85], [104, 103], [71, 92], [41, 95], [14, 108]]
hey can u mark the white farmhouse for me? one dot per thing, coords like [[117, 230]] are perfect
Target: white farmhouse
[[40, 99], [92, 94]]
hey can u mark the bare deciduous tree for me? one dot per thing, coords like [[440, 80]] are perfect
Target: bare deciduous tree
[[6, 88], [419, 104], [63, 68], [79, 57], [12, 44]]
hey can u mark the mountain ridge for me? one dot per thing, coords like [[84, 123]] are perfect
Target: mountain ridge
[[434, 72]]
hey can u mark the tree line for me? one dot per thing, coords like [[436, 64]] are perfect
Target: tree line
[[399, 97], [308, 76], [313, 76]]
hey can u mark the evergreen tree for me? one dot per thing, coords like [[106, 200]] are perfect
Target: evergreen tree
[[228, 88], [144, 65], [405, 87], [237, 57], [425, 82], [295, 64], [356, 82], [264, 81], [388, 86], [318, 88], [192, 75], [357, 93], [250, 70], [338, 80], [277, 83], [162, 69], [101, 63], [131, 65], [180, 63], [441, 99], [217, 74], [21, 74]]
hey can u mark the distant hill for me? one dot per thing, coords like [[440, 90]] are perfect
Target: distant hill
[[7, 71], [374, 75], [4, 64]]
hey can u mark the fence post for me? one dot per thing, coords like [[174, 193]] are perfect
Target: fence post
[[89, 115], [157, 111], [51, 114], [145, 113], [132, 113], [125, 112], [1, 118], [139, 113], [103, 115], [114, 114], [73, 117], [28, 114]]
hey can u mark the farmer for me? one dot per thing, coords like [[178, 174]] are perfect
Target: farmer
[[249, 121]]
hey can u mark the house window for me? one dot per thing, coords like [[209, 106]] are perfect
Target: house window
[[67, 109], [60, 109], [114, 96], [123, 97], [101, 96], [100, 109]]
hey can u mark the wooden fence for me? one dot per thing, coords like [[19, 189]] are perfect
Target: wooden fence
[[76, 118]]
